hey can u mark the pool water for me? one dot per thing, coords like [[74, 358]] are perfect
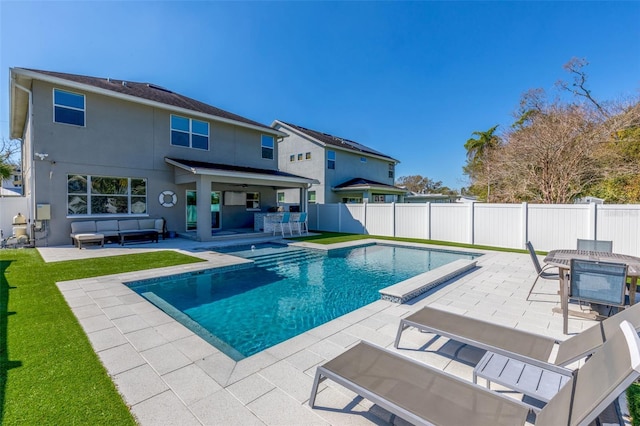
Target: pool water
[[289, 291]]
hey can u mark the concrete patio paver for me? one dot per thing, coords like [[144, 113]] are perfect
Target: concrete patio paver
[[168, 375]]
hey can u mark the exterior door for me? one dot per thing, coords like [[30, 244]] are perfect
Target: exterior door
[[192, 210]]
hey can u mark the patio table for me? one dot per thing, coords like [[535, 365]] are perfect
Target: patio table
[[562, 259]]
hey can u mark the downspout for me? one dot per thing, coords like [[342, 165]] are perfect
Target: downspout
[[31, 197]]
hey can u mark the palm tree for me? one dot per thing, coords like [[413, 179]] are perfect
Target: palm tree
[[477, 149]]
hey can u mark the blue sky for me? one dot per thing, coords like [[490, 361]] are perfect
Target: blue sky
[[410, 79]]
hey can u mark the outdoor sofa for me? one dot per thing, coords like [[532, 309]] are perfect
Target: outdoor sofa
[[100, 230]]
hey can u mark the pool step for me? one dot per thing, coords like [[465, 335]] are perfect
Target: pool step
[[301, 256]]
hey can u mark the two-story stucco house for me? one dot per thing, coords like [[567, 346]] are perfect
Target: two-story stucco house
[[96, 148], [348, 172]]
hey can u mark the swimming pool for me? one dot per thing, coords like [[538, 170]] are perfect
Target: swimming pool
[[287, 291]]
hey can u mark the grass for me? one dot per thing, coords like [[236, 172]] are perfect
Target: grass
[[49, 373], [336, 237]]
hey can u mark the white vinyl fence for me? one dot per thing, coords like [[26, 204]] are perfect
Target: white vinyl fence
[[547, 226]]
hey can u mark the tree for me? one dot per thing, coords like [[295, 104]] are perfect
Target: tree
[[559, 150], [8, 150], [478, 166], [421, 185]]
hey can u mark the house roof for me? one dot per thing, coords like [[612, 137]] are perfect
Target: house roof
[[239, 172], [361, 183], [336, 141], [136, 91]]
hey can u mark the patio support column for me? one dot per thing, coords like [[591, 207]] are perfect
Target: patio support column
[[203, 189]]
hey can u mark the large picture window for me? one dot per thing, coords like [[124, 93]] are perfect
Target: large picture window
[[68, 108], [189, 132], [267, 144], [104, 195]]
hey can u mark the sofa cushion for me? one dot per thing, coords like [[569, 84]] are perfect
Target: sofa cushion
[[83, 227], [128, 225], [106, 225], [159, 225], [146, 223]]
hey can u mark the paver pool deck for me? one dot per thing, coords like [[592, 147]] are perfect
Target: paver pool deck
[[170, 376]]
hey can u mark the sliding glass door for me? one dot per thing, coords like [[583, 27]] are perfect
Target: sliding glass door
[[192, 210]]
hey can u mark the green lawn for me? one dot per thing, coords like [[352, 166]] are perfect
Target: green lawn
[[336, 237], [49, 373]]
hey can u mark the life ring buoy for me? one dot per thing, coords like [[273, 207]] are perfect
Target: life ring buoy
[[168, 198]]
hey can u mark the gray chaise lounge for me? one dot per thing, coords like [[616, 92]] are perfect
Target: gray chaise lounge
[[516, 343], [424, 395]]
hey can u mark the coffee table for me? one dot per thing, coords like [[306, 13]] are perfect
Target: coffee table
[[135, 235]]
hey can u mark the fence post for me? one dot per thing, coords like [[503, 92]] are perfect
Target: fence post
[[393, 219], [339, 217], [471, 220], [593, 223], [428, 213], [524, 223], [364, 220]]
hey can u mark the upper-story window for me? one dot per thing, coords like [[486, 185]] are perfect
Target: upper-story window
[[331, 159], [300, 157], [292, 157], [68, 108], [307, 156], [363, 159], [189, 132], [391, 169], [267, 147]]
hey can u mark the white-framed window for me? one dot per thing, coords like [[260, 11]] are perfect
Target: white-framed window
[[378, 198], [331, 160], [391, 170], [267, 144], [189, 133], [103, 195], [307, 156], [68, 107], [300, 157], [253, 201], [281, 197], [312, 197], [292, 158], [363, 159]]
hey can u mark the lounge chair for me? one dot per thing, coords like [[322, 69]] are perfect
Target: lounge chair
[[423, 395], [542, 271], [512, 342], [595, 245]]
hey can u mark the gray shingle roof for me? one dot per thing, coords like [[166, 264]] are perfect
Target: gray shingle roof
[[337, 141], [152, 92]]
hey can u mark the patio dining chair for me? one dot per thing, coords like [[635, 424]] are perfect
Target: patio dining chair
[[598, 283], [542, 271], [595, 245]]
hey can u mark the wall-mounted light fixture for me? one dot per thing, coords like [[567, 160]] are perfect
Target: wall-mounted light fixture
[[41, 155]]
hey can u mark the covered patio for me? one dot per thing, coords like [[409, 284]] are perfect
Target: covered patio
[[223, 199]]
